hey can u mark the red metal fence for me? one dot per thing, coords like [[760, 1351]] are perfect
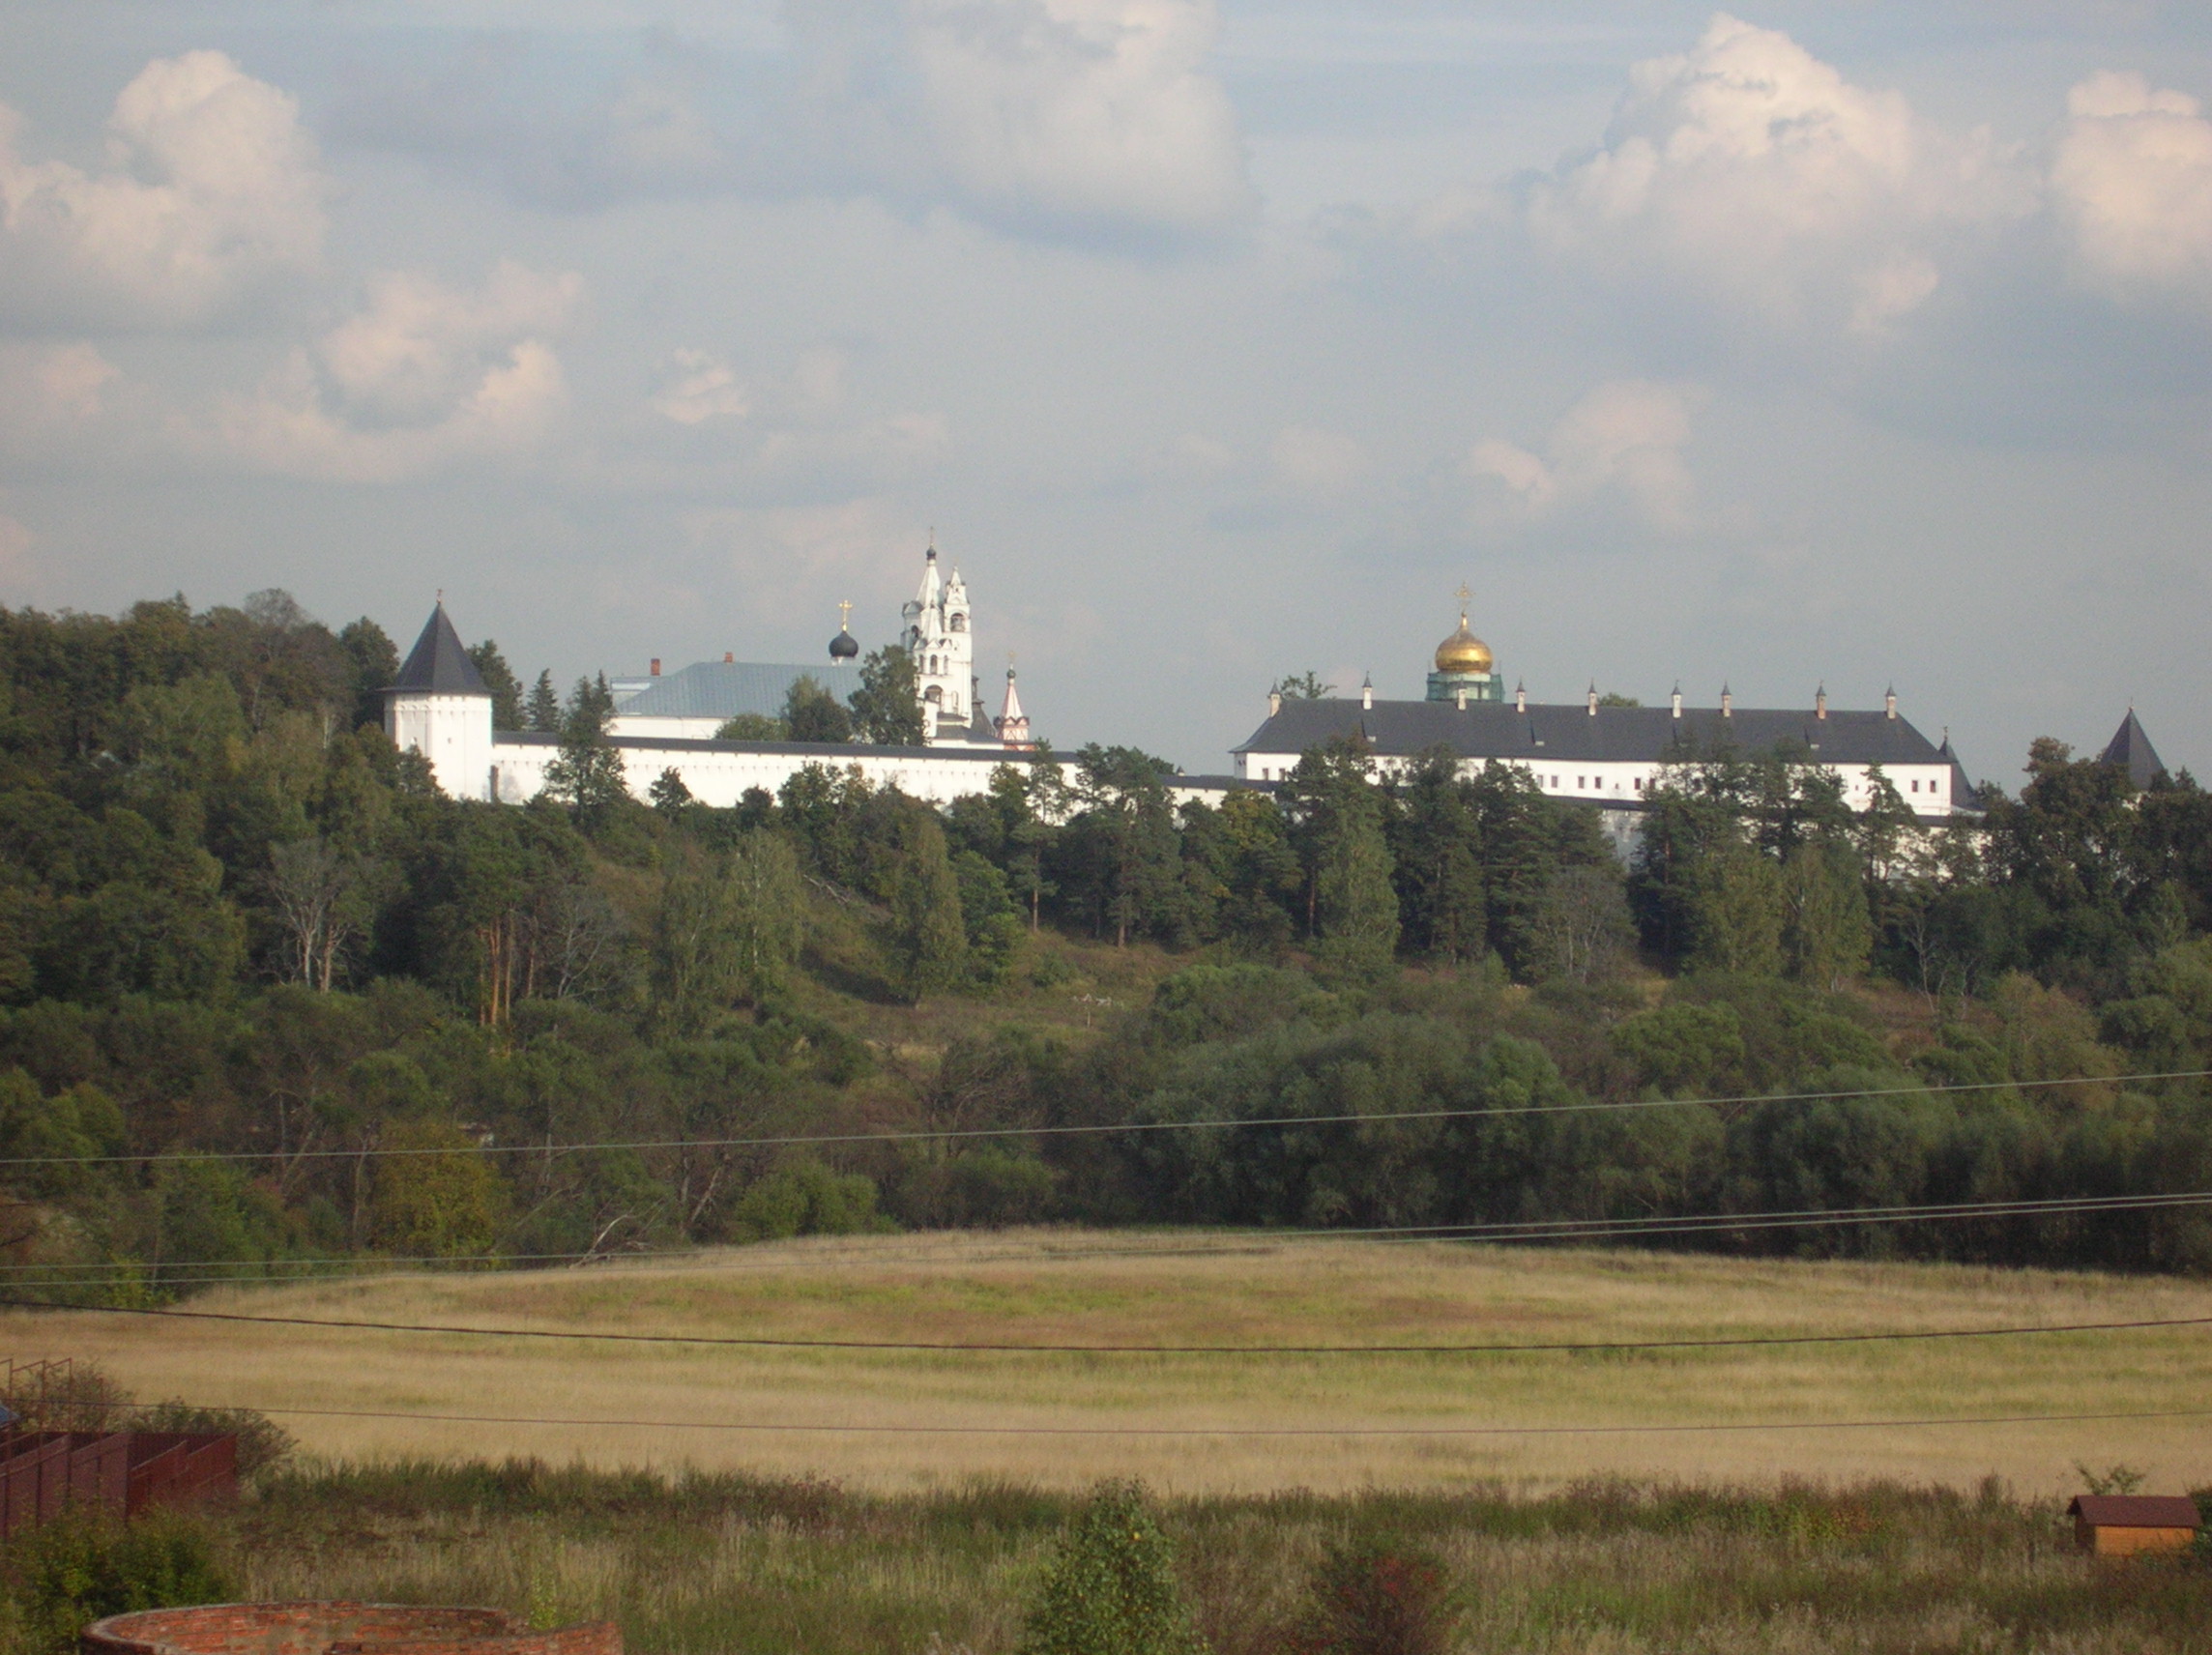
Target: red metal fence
[[115, 1473]]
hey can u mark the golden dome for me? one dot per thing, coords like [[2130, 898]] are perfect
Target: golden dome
[[1463, 652]]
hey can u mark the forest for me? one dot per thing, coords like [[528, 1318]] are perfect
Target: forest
[[270, 1004]]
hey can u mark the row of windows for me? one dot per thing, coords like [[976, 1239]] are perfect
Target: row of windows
[[1582, 783]]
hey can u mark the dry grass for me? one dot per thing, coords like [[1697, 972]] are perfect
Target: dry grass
[[734, 1566], [1130, 1288]]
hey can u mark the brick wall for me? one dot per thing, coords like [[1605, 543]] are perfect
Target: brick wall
[[338, 1628]]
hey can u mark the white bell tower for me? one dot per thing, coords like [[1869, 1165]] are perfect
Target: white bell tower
[[940, 637]]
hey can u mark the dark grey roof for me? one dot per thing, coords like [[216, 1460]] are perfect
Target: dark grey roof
[[1564, 734], [438, 663], [2129, 748], [723, 690]]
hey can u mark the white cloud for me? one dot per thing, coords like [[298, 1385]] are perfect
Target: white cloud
[[694, 387], [423, 375], [1083, 109], [1625, 437], [1749, 168], [2132, 178], [212, 187]]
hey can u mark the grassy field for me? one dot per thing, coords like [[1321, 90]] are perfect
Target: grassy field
[[941, 1420], [724, 1565]]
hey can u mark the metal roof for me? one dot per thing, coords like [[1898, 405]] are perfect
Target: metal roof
[[723, 690], [438, 663], [1564, 734], [2129, 748], [2136, 1511]]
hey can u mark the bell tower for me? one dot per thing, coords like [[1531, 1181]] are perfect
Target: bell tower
[[940, 637]]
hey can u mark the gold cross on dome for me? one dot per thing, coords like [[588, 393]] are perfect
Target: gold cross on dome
[[844, 616], [1463, 596]]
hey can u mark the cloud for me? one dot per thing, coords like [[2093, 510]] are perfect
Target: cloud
[[1749, 170], [1044, 115], [2131, 178], [1625, 437], [694, 387], [212, 188], [1325, 465], [423, 375], [1081, 109]]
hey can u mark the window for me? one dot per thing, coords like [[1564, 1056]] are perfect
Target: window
[[960, 623], [1917, 786], [933, 695]]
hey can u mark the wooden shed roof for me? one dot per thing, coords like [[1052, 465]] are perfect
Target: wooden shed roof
[[2136, 1511]]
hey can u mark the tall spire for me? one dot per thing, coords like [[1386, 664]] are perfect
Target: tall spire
[[1012, 723]]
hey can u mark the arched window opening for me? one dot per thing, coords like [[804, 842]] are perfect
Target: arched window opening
[[933, 695], [960, 623]]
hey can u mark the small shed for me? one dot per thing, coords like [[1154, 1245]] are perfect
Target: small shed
[[2116, 1525]]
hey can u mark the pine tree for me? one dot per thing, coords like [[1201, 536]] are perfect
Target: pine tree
[[545, 707], [498, 677]]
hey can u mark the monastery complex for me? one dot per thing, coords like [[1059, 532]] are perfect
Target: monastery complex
[[1607, 755]]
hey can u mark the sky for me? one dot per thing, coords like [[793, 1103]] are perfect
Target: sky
[[1844, 345]]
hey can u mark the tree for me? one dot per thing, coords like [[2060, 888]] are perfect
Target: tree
[[435, 1198], [1305, 686], [544, 710], [728, 929], [1437, 844], [1337, 814], [506, 688], [886, 708], [1111, 1586], [811, 713], [1355, 906], [320, 897], [1119, 853], [1826, 934], [375, 662], [588, 772], [1582, 931], [668, 794], [752, 727], [928, 935]]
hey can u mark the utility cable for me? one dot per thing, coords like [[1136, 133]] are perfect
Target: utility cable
[[950, 1134], [981, 1347], [268, 1270], [260, 1271]]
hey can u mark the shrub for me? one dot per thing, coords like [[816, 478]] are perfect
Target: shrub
[[1111, 1588], [1369, 1598], [69, 1573]]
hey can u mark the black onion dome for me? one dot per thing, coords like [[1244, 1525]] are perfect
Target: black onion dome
[[844, 647]]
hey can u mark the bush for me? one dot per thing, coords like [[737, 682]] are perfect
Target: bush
[[66, 1574], [1111, 1588], [1371, 1599], [802, 1197]]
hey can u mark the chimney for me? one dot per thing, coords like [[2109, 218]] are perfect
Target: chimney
[[1594, 698], [1274, 703], [1889, 700], [1820, 703], [655, 673], [727, 657], [1367, 693], [1677, 701], [1521, 696], [1728, 703], [1458, 697]]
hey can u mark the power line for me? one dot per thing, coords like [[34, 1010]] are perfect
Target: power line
[[261, 1271], [1190, 1431], [986, 1346], [934, 1135]]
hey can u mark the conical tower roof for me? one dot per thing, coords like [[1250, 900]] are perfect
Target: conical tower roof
[[2129, 748], [438, 664]]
